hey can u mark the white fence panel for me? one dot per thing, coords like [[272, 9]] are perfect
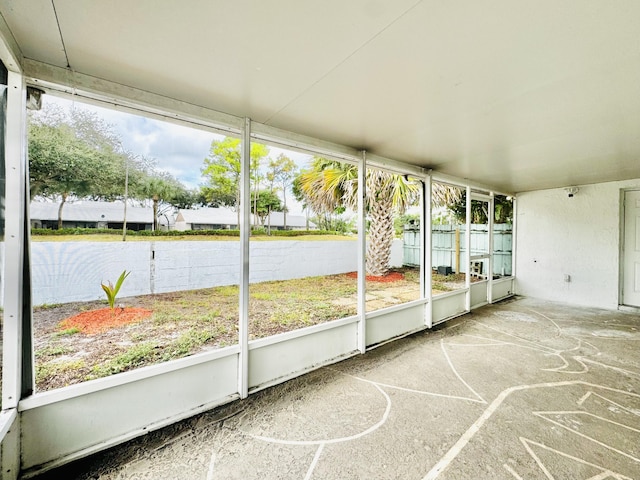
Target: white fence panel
[[444, 246]]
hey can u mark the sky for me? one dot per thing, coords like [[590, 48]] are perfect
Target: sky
[[176, 149]]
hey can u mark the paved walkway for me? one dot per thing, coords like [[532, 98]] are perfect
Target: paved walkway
[[520, 390]]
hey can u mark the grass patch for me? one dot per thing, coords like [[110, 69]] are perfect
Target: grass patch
[[52, 351], [188, 341], [47, 306], [187, 322], [227, 291], [50, 369], [112, 235], [292, 318], [136, 356], [67, 332]]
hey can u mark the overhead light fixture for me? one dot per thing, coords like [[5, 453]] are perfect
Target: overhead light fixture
[[571, 191], [34, 98]]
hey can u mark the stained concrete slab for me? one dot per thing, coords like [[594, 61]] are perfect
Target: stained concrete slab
[[523, 389]]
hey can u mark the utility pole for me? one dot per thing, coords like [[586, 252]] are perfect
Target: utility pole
[[126, 196]]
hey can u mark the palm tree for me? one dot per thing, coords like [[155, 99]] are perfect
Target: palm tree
[[159, 188], [329, 184]]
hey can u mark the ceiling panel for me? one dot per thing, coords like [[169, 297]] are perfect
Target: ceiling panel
[[34, 26], [244, 58], [516, 94]]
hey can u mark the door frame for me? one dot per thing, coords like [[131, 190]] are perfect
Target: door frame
[[621, 259]]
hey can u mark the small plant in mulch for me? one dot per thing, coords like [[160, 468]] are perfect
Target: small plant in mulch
[[112, 291], [97, 321], [103, 319], [389, 277]]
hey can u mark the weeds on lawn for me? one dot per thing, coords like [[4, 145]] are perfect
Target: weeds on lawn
[[136, 356], [67, 332], [51, 369], [187, 322], [52, 351]]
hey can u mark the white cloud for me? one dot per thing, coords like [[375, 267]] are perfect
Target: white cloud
[[178, 150]]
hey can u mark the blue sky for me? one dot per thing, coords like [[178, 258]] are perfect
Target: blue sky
[[176, 149]]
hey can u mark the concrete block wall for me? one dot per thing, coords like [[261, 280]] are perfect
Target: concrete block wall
[[192, 265], [578, 236], [64, 272]]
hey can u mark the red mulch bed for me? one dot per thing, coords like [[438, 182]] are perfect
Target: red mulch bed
[[389, 277], [97, 321]]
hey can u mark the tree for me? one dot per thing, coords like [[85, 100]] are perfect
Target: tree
[[73, 156], [161, 187], [502, 206], [329, 184], [267, 202], [60, 164], [281, 172], [222, 171]]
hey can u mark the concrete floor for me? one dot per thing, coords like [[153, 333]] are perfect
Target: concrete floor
[[523, 389]]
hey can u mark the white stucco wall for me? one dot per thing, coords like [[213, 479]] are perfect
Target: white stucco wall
[[578, 236]]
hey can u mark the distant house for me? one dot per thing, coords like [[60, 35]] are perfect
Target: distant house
[[90, 214], [206, 219], [226, 219], [294, 222]]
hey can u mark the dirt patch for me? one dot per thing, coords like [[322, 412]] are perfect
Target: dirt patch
[[81, 341], [389, 277], [96, 321]]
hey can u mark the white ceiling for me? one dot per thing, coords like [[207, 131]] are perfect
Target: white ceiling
[[517, 94]]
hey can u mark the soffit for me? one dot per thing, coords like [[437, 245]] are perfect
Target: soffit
[[515, 94]]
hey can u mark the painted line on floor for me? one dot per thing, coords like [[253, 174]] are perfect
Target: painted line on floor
[[544, 350], [543, 416], [458, 375], [316, 457], [549, 319], [335, 440], [512, 472], [212, 464], [611, 367], [423, 392], [538, 345], [455, 450], [604, 472], [590, 394]]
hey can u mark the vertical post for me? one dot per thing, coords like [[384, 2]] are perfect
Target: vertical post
[[514, 228], [491, 220], [362, 254], [15, 160], [467, 243], [457, 238], [425, 250], [245, 230], [126, 198]]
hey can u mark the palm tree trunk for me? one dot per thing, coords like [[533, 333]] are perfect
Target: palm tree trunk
[[380, 236], [156, 199]]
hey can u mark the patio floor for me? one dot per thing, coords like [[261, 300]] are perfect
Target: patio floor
[[523, 389]]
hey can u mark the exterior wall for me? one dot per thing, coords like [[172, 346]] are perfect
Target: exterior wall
[[578, 236], [64, 272]]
